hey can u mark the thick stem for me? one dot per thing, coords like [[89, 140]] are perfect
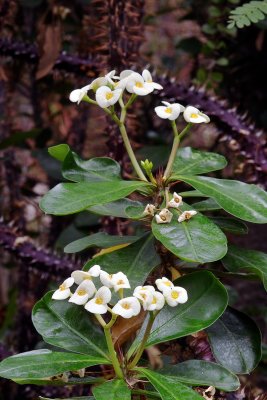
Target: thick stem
[[142, 346], [112, 353]]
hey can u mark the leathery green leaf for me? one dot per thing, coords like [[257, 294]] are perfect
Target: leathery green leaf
[[231, 225], [235, 340], [239, 259], [68, 326], [168, 387], [112, 390], [244, 201], [70, 198], [194, 315], [45, 363], [193, 162], [203, 373], [118, 208], [196, 240]]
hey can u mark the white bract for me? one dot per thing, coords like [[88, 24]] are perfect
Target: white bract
[[148, 79], [164, 217], [186, 215], [136, 84], [106, 279], [193, 115], [157, 302], [164, 284], [77, 95], [145, 294], [63, 292], [106, 97], [99, 304], [149, 210], [120, 281], [83, 292], [175, 295], [127, 308], [176, 201], [169, 111], [80, 276]]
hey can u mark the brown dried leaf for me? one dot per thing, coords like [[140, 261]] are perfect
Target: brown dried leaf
[[49, 48], [124, 329]]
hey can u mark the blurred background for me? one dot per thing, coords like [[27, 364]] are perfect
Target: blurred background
[[50, 47]]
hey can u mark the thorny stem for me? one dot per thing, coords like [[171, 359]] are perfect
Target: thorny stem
[[175, 145], [142, 346]]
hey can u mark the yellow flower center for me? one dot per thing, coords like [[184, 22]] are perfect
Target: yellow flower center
[[109, 95], [168, 110], [177, 200], [62, 287], [149, 80], [126, 306], [87, 278], [139, 84], [163, 218], [99, 300], [167, 283], [81, 292], [175, 295], [120, 282], [187, 215], [194, 115], [154, 301], [144, 296]]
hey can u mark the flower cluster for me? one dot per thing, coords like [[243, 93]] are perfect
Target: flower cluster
[[165, 215], [109, 89], [97, 301]]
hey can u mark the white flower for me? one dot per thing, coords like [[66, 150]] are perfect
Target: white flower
[[136, 84], [99, 304], [192, 114], [127, 308], [148, 79], [80, 276], [157, 302], [169, 111], [176, 201], [149, 210], [110, 76], [186, 215], [106, 97], [163, 284], [106, 279], [63, 291], [83, 292], [120, 281], [77, 95], [145, 294], [164, 217], [98, 82], [175, 295]]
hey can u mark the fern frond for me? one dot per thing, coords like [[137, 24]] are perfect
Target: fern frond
[[248, 13]]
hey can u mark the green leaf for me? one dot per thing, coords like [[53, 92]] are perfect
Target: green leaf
[[44, 363], [101, 169], [70, 198], [196, 240], [206, 205], [239, 259], [112, 390], [244, 201], [100, 239], [203, 373], [235, 340], [118, 208], [68, 326], [59, 152], [231, 225], [193, 162], [136, 260], [169, 387], [59, 381], [207, 300], [192, 193]]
